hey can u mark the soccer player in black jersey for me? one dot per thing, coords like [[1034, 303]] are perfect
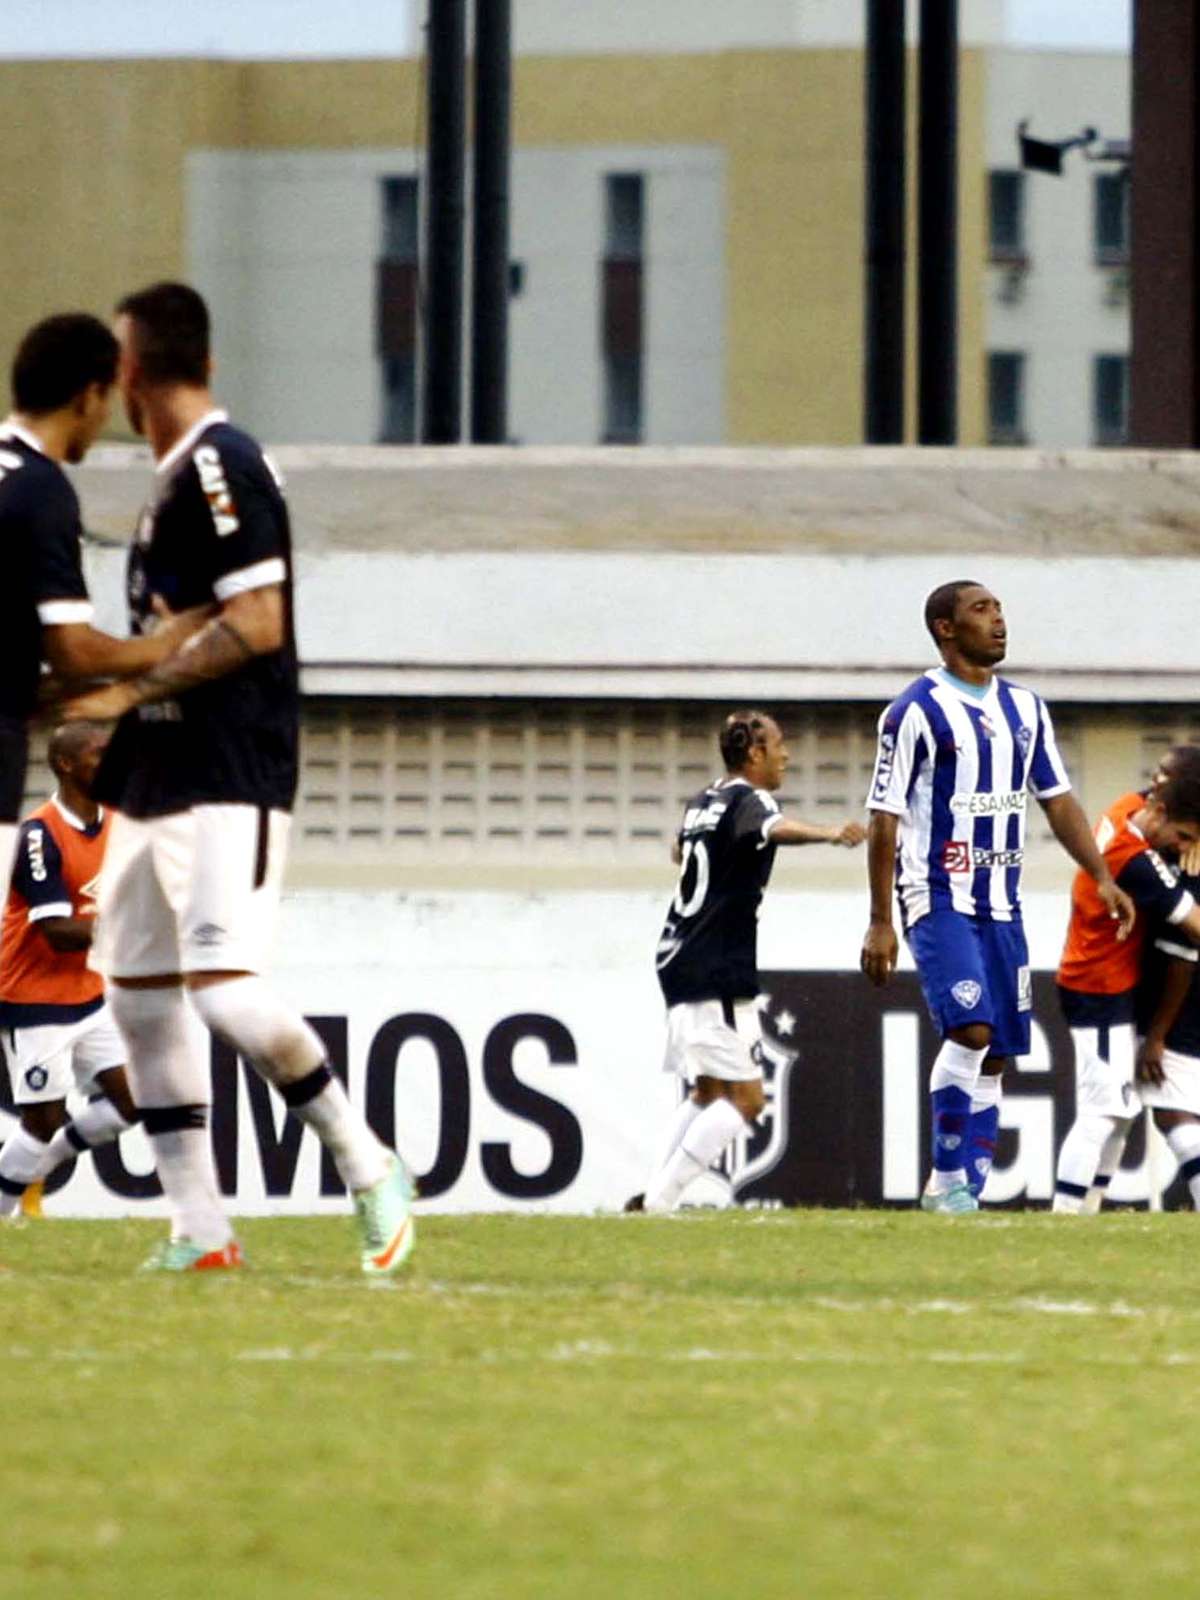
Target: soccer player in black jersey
[[62, 381], [202, 771], [708, 950]]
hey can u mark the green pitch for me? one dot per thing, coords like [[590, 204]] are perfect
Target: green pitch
[[758, 1405]]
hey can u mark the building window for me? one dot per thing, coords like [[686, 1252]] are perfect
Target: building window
[[397, 286], [622, 292], [1006, 397], [1006, 216], [1110, 400], [1111, 219]]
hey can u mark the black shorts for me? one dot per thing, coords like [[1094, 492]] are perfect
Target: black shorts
[[14, 758]]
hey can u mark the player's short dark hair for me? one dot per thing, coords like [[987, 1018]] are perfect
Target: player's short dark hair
[[172, 332], [1179, 797], [741, 731], [943, 602], [58, 359], [1182, 761], [69, 739]]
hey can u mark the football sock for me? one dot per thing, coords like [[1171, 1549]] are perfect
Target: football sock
[[1079, 1160], [1110, 1160], [952, 1082], [21, 1163], [183, 1158], [983, 1130], [171, 1085], [272, 1036], [1184, 1143], [282, 1047], [682, 1117], [361, 1159], [716, 1125], [98, 1123]]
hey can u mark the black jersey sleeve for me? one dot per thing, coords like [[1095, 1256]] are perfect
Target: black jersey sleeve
[[59, 587], [250, 545], [1176, 944], [37, 872], [757, 814], [1154, 888]]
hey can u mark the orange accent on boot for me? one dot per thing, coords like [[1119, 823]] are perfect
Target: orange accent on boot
[[229, 1255]]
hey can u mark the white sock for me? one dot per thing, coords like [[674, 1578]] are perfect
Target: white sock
[[172, 1088], [98, 1123], [1079, 1160], [1184, 1143], [1110, 1160], [682, 1117], [184, 1161], [954, 1066], [284, 1050], [21, 1163], [361, 1159], [717, 1124], [269, 1034]]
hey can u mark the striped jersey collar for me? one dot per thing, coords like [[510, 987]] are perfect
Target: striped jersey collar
[[181, 446], [969, 691]]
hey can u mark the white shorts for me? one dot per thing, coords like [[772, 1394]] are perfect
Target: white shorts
[[1181, 1089], [193, 892], [48, 1061], [703, 1042], [1104, 1071]]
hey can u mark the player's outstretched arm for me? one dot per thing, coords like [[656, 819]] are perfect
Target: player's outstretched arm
[[881, 948], [790, 830], [247, 625], [76, 650], [1069, 825]]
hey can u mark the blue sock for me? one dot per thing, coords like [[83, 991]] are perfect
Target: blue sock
[[982, 1134], [951, 1122]]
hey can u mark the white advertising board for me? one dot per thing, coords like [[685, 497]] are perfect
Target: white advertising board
[[511, 1045]]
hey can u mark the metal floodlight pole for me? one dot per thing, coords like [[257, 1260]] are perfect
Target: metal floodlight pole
[[937, 225], [489, 280], [445, 224], [886, 143]]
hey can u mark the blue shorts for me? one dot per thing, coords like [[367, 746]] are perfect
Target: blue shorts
[[974, 970]]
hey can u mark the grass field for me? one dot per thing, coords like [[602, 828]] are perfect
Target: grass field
[[802, 1404]]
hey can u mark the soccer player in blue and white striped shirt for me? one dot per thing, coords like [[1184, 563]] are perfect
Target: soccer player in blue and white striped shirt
[[960, 751]]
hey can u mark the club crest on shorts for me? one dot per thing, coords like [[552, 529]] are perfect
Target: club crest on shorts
[[967, 992], [759, 1149], [36, 1078]]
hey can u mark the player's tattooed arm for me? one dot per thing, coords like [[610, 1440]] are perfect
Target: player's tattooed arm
[[76, 650], [247, 625]]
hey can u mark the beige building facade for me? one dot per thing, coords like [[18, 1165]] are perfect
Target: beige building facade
[[261, 181]]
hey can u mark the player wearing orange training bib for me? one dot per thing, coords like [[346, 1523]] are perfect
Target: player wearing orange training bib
[[58, 1033], [1098, 974]]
